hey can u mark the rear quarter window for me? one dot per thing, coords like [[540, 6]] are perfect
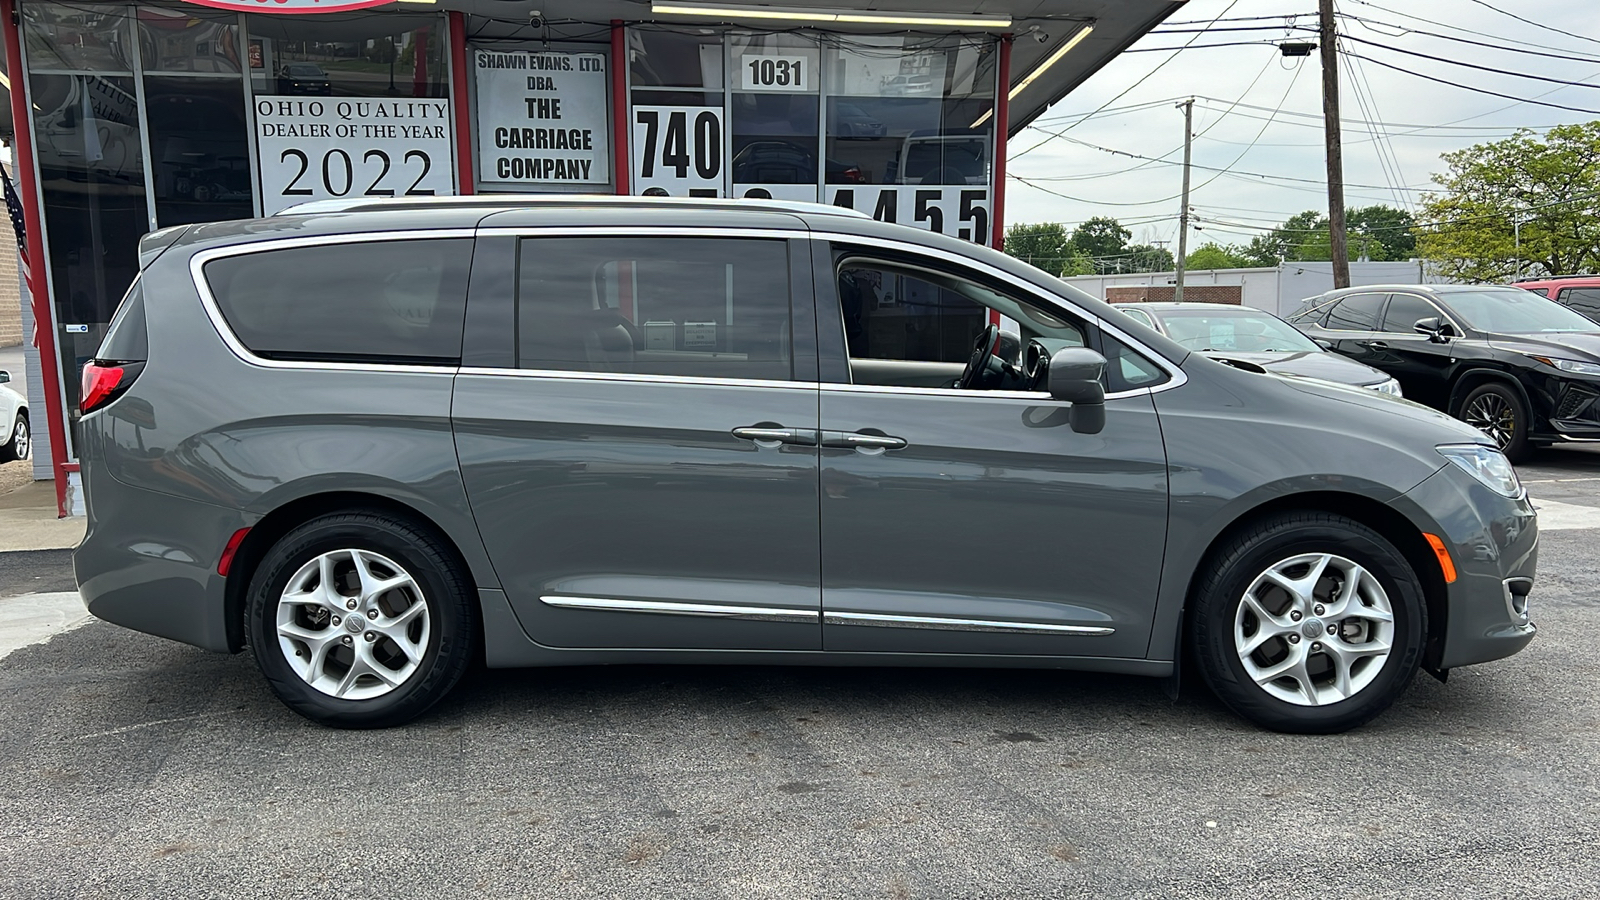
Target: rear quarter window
[[128, 337], [398, 301]]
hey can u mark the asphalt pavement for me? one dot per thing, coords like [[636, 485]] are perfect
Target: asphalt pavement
[[138, 767]]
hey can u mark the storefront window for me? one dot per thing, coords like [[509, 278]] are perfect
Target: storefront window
[[677, 112], [199, 149], [91, 171], [76, 38], [367, 56], [200, 40], [775, 118], [910, 110]]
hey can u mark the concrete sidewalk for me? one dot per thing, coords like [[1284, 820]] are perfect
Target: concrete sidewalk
[[35, 618], [28, 520]]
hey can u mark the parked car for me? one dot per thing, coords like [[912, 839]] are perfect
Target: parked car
[[1580, 293], [788, 162], [941, 157], [304, 78], [848, 121], [660, 448], [18, 440], [1255, 338], [1522, 368]]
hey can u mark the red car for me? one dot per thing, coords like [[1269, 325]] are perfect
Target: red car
[[1579, 292]]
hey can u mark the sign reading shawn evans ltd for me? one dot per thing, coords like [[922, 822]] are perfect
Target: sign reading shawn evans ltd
[[315, 148], [542, 117]]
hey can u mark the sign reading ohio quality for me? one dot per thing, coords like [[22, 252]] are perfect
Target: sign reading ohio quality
[[311, 149], [542, 117]]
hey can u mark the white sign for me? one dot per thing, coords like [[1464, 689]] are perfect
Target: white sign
[[957, 211], [291, 6], [677, 150], [312, 149], [789, 71], [542, 117]]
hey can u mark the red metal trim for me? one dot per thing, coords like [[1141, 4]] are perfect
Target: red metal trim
[[1002, 127], [458, 101], [69, 467], [33, 219], [273, 6], [621, 135]]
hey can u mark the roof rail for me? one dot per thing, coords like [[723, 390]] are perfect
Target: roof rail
[[1557, 277], [529, 201]]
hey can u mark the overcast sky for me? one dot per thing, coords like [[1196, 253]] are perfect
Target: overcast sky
[[1249, 141]]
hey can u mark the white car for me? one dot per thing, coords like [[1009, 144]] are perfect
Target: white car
[[14, 416]]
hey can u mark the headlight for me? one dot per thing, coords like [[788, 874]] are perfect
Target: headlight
[[1386, 387], [1486, 464], [1576, 367]]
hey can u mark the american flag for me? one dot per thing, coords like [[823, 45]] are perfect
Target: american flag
[[20, 226]]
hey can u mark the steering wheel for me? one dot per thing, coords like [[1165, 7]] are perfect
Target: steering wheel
[[978, 362]]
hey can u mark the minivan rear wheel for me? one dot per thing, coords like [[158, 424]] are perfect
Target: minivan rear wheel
[[360, 620], [1309, 623]]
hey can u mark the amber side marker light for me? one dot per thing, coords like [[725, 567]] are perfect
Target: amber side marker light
[[1445, 564]]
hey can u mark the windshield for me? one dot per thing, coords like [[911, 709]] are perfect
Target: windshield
[[1514, 311], [1241, 333]]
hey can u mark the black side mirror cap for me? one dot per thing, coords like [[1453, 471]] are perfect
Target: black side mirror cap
[[1436, 330]]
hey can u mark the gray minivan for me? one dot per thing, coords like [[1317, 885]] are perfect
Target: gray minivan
[[374, 440]]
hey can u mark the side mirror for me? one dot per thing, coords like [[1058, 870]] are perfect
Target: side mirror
[[1436, 330], [1074, 377], [4, 376]]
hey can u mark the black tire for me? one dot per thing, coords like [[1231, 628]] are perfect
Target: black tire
[[445, 589], [1498, 411], [13, 449], [1216, 611]]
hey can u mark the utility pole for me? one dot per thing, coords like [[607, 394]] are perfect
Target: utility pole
[[1183, 211], [1330, 128]]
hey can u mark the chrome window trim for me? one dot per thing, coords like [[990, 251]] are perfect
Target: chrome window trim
[[637, 378], [680, 608], [942, 623], [208, 301], [1176, 375]]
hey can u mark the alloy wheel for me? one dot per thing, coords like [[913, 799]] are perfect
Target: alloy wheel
[[1492, 415], [20, 439], [353, 624], [1314, 629]]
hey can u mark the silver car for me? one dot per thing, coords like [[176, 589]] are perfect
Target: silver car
[[373, 440]]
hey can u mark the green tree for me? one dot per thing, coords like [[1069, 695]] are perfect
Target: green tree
[[1550, 186], [1213, 256], [1044, 245], [1104, 240], [1383, 232], [1149, 258]]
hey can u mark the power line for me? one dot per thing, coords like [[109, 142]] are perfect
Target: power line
[[1124, 93], [1456, 62], [1539, 25], [1476, 90], [1566, 56], [1406, 15]]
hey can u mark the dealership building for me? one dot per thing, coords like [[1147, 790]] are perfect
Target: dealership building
[[126, 118]]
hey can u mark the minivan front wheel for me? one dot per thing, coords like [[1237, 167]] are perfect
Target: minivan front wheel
[[1309, 623], [360, 620]]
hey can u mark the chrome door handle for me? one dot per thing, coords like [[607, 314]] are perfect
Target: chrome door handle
[[1375, 345], [859, 441], [763, 434]]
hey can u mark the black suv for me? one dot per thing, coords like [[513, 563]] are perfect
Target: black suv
[[1522, 368]]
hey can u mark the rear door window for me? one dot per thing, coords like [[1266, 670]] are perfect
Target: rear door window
[[397, 301], [1584, 300], [1357, 312], [692, 307]]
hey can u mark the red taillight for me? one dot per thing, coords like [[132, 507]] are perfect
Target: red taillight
[[99, 383], [853, 174], [226, 562]]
